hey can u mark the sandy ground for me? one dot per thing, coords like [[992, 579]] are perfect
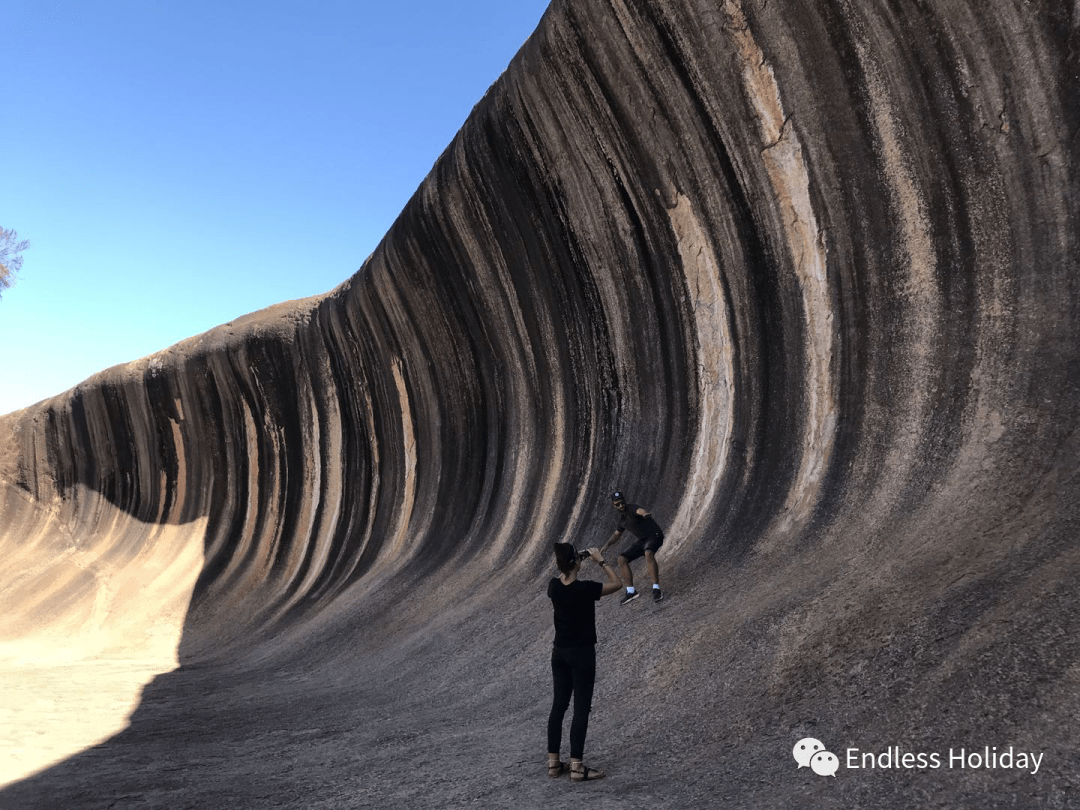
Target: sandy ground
[[346, 719], [386, 734]]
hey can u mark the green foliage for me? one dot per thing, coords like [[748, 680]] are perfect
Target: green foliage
[[10, 260]]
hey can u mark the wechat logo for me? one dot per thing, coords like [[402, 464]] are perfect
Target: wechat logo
[[811, 753]]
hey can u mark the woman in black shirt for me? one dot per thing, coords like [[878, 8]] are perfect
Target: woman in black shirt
[[573, 658]]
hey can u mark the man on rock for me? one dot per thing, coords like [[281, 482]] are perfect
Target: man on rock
[[648, 539]]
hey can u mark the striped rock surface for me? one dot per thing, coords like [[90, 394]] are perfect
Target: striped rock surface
[[799, 276]]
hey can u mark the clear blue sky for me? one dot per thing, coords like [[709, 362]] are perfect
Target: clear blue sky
[[178, 164]]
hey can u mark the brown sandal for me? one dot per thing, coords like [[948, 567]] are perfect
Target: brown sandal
[[557, 769], [579, 772]]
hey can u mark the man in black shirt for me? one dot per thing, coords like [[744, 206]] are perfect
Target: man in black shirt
[[648, 539]]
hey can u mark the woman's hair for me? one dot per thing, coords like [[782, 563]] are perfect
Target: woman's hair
[[565, 557]]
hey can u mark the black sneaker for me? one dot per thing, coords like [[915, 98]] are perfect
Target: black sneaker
[[657, 595], [629, 597]]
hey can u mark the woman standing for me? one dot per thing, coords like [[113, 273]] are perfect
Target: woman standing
[[573, 658]]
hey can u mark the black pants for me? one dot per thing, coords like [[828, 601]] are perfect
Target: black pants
[[573, 671], [639, 547]]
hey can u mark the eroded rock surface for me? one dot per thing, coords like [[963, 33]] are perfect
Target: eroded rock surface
[[800, 276]]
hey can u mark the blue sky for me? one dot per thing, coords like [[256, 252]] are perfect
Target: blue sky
[[178, 164]]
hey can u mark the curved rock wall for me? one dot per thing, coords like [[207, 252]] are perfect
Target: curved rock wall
[[801, 276]]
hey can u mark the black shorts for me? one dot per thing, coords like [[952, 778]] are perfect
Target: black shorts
[[641, 545]]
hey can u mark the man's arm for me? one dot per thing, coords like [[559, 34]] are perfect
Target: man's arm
[[611, 541]]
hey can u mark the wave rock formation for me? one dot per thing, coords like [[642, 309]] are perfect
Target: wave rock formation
[[801, 276]]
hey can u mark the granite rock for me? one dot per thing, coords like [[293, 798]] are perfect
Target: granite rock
[[800, 276]]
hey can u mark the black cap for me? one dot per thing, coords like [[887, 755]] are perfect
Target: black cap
[[617, 496]]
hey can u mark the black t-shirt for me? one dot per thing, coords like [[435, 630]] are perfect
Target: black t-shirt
[[575, 611], [640, 527]]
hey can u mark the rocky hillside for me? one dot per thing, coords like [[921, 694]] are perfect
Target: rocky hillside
[[800, 276]]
